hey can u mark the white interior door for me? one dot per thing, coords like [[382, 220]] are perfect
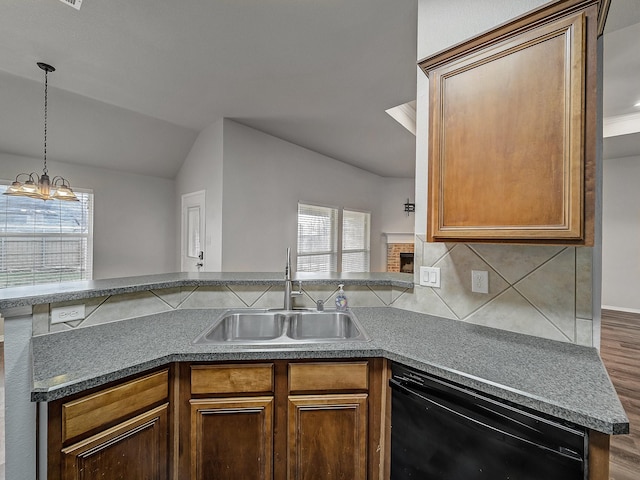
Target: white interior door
[[193, 232]]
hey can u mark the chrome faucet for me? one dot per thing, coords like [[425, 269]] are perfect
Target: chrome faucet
[[288, 292]]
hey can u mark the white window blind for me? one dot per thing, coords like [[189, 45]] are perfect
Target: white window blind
[[355, 241], [332, 239], [45, 242], [317, 238]]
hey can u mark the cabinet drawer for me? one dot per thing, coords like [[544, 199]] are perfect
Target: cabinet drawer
[[214, 379], [328, 376], [101, 408]]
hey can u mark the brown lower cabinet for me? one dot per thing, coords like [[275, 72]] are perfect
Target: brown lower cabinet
[[117, 433], [232, 438], [328, 436], [269, 420], [280, 420], [136, 448]]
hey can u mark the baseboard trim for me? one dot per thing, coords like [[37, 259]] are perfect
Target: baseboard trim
[[619, 309]]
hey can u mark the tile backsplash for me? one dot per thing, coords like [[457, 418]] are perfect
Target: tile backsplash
[[537, 290], [130, 305]]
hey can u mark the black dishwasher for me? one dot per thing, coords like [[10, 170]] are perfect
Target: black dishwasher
[[443, 431]]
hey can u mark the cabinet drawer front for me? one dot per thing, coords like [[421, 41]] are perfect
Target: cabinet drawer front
[[87, 413], [214, 379], [328, 376]]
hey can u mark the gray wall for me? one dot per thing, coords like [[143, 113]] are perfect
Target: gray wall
[[253, 183], [134, 216], [265, 177], [202, 170], [620, 232]]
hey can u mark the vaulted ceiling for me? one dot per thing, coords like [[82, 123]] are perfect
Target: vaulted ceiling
[[137, 80]]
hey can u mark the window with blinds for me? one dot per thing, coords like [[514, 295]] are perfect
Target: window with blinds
[[355, 241], [45, 242], [317, 238], [332, 239]]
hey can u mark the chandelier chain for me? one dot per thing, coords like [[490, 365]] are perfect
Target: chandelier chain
[[46, 74]]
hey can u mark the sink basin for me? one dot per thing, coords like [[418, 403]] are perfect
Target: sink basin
[[282, 327], [246, 326], [328, 325]]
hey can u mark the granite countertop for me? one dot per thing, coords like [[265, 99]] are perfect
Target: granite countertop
[[68, 291], [560, 379]]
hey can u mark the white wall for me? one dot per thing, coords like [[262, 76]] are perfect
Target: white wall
[[620, 232], [265, 177], [134, 216], [202, 170]]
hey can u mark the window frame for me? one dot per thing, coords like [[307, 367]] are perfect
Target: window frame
[[366, 250], [86, 267], [338, 234]]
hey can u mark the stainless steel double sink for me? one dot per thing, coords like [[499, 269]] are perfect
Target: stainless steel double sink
[[278, 327]]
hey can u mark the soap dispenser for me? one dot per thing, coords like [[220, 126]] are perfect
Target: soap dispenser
[[341, 299]]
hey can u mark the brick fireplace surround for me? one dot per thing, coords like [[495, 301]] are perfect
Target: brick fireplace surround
[[393, 255]]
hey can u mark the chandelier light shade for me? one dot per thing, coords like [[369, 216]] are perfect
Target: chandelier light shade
[[42, 186]]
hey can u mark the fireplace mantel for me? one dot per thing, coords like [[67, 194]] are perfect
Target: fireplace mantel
[[399, 237]]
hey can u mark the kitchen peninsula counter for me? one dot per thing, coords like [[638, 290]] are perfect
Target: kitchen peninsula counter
[[560, 379], [69, 291]]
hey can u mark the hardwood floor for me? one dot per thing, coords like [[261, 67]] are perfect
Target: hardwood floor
[[620, 352]]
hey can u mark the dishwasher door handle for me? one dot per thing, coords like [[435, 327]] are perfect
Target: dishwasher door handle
[[408, 391]]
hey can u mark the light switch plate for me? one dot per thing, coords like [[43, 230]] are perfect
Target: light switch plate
[[67, 314], [430, 277]]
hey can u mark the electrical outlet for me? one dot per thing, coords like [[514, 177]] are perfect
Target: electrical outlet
[[479, 281], [430, 277], [67, 314]]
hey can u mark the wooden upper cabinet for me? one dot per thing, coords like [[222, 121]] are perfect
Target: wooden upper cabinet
[[512, 134]]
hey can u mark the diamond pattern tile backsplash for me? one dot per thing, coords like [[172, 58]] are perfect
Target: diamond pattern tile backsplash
[[536, 290]]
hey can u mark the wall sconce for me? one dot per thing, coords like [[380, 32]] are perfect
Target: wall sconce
[[409, 207]]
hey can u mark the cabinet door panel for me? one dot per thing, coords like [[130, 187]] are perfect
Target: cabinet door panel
[[327, 437], [232, 438], [509, 155], [137, 448]]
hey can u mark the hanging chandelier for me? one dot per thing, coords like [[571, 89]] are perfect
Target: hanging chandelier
[[41, 186]]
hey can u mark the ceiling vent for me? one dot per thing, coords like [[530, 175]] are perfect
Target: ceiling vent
[[73, 3]]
